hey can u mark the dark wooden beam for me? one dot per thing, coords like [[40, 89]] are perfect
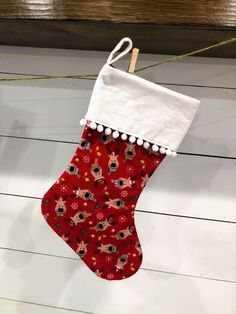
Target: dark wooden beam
[[162, 12], [104, 36], [164, 27]]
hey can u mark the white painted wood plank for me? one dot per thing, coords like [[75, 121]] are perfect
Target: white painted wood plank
[[65, 283], [49, 113], [54, 113], [213, 131], [185, 185], [19, 307], [171, 244], [193, 186], [191, 70]]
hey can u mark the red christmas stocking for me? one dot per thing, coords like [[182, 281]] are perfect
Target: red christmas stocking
[[131, 125]]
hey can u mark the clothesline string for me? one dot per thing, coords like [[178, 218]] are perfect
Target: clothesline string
[[75, 76]]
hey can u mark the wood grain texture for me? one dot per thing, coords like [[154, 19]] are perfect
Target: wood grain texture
[[83, 35], [166, 27], [173, 12]]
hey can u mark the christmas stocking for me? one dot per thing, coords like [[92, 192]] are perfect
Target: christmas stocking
[[131, 125]]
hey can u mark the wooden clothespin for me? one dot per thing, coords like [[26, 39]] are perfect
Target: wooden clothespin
[[133, 60]]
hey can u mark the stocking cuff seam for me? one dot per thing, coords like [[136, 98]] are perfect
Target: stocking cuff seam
[[140, 108]]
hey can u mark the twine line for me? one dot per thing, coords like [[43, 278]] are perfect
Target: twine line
[[27, 77]]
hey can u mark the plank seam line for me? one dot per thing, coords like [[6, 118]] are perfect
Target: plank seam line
[[192, 276], [138, 210], [161, 83], [186, 216], [45, 305], [76, 143], [143, 268], [206, 155]]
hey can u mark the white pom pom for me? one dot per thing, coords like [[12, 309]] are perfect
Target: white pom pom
[[132, 139], [82, 122], [124, 137], [146, 145], [100, 128], [93, 125], [108, 131], [139, 142], [173, 154], [162, 150], [155, 148], [115, 134], [168, 152]]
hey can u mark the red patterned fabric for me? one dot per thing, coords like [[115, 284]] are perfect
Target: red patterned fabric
[[91, 206]]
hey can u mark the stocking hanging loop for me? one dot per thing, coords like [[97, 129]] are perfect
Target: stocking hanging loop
[[117, 47]]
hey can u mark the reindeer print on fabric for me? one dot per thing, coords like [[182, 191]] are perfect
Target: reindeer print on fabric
[[130, 127], [91, 205], [60, 207]]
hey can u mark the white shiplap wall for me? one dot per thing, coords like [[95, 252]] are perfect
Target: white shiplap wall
[[186, 216]]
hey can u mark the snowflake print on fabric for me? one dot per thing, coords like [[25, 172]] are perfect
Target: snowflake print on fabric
[[131, 125], [91, 206]]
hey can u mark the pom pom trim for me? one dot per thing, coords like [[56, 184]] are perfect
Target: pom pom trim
[[156, 148]]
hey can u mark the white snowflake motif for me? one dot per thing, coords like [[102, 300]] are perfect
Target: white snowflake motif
[[64, 188], [99, 216], [124, 193], [110, 276], [130, 169], [86, 159], [108, 259], [122, 218], [74, 206]]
